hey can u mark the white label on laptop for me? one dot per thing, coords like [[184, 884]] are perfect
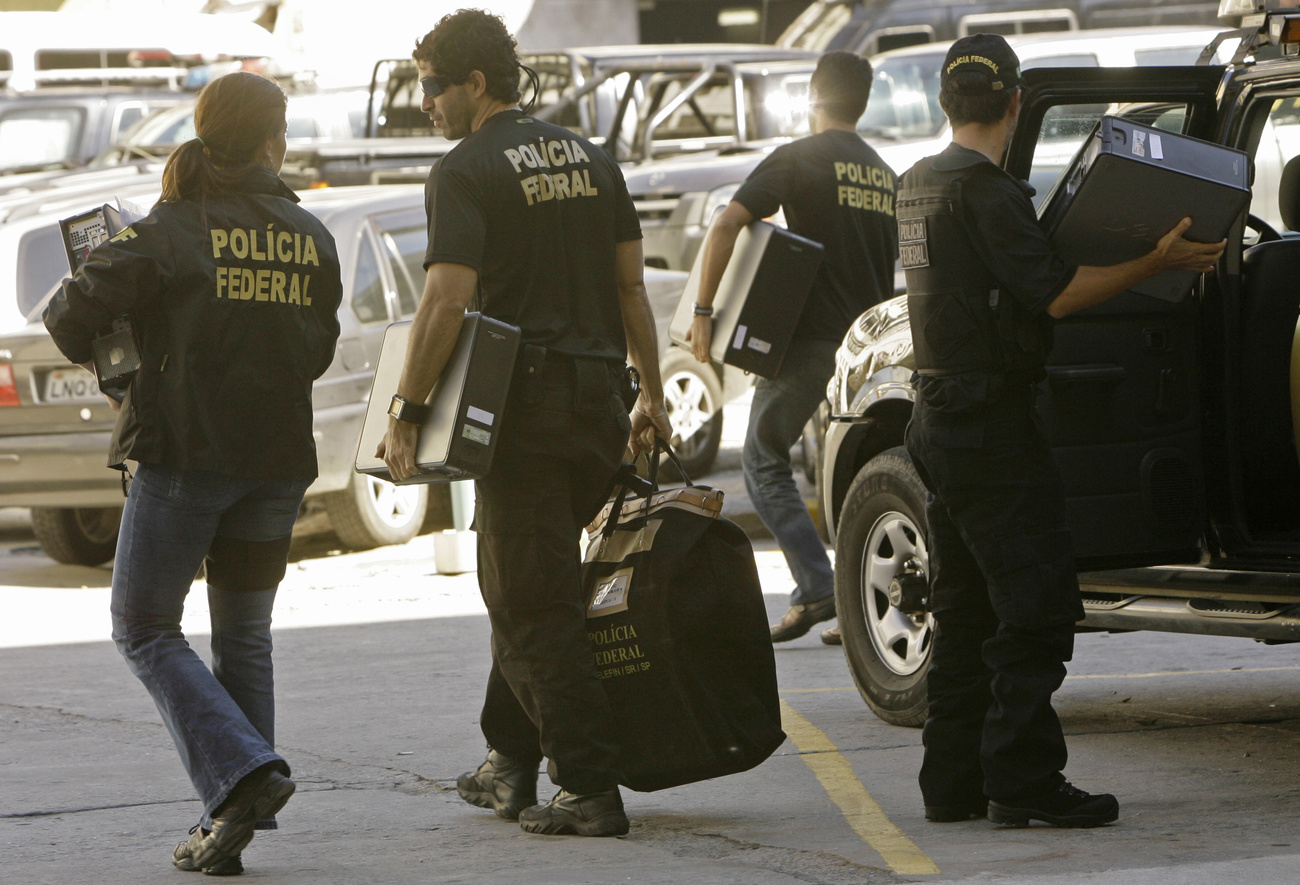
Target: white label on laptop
[[1139, 143], [1157, 149], [476, 434], [760, 345], [480, 416], [739, 341]]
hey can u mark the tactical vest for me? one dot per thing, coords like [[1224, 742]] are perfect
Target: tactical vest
[[961, 320]]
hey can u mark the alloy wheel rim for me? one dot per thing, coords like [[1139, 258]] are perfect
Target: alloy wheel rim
[[901, 641], [394, 505], [690, 407]]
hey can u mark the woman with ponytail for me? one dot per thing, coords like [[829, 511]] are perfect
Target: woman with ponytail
[[232, 290]]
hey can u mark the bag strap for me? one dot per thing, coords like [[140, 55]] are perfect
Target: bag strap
[[628, 480]]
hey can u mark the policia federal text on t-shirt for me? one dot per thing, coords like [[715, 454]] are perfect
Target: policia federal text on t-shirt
[[834, 169], [539, 213]]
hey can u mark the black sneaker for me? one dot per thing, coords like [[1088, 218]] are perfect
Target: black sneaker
[[800, 619], [183, 857], [258, 795], [957, 811], [588, 814], [500, 783], [1061, 806]]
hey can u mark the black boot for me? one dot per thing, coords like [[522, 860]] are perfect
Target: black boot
[[500, 783], [588, 814], [183, 857], [1062, 806]]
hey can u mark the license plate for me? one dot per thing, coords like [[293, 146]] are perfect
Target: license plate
[[71, 386]]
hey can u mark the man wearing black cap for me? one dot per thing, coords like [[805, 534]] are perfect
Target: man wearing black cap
[[983, 288], [834, 190]]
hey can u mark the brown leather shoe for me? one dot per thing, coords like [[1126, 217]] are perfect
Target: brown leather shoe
[[800, 619], [831, 636]]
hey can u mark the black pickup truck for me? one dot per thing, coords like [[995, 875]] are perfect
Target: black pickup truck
[[1173, 423]]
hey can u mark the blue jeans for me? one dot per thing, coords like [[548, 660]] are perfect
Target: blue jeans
[[777, 415], [222, 720]]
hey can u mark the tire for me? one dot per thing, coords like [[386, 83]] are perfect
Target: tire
[[693, 396], [77, 536], [373, 513], [882, 525]]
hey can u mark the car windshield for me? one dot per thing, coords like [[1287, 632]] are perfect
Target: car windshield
[[38, 138], [904, 100]]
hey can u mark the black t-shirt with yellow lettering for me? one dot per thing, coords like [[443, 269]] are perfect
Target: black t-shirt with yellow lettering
[[836, 191], [537, 211]]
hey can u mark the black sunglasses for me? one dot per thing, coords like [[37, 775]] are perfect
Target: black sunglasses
[[437, 85]]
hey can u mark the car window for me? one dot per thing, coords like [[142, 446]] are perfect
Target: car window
[[1169, 55], [405, 239], [1279, 143], [776, 106], [1065, 127], [34, 137], [1071, 60], [42, 262], [904, 100], [708, 113], [368, 300], [128, 114]]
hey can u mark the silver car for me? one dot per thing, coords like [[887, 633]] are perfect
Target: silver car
[[55, 425]]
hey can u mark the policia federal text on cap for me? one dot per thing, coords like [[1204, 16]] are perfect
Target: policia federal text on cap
[[982, 295]]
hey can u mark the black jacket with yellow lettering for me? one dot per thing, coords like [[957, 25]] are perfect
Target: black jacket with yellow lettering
[[234, 301]]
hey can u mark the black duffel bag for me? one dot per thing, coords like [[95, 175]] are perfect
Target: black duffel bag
[[679, 633]]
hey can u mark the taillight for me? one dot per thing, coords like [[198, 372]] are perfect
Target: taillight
[[8, 389]]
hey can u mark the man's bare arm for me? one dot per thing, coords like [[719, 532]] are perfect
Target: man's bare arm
[[1091, 286], [448, 290], [718, 246], [649, 417]]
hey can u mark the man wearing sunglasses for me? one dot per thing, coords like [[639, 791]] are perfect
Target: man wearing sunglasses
[[533, 225]]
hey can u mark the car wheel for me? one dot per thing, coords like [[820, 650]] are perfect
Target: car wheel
[[77, 536], [693, 397], [372, 513], [882, 537]]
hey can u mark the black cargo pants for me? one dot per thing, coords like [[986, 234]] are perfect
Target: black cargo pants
[[562, 439], [1005, 598]]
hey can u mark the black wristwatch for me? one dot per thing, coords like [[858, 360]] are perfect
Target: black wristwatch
[[404, 410]]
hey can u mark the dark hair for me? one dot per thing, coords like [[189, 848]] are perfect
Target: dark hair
[[982, 107], [233, 118], [843, 84], [473, 40]]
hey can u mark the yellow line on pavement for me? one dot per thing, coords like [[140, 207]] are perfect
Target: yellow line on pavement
[[862, 812]]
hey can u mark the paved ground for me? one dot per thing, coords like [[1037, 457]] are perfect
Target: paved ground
[[380, 667]]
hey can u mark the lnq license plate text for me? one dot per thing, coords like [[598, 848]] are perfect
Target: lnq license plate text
[[71, 386]]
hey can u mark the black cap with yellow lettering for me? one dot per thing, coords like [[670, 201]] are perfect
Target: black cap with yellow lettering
[[987, 55]]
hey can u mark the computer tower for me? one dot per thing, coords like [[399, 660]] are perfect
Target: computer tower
[[1130, 184], [466, 405], [759, 299]]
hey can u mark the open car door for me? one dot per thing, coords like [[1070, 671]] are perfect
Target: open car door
[[1121, 402]]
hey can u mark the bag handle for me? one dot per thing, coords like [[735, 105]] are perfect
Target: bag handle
[[628, 480]]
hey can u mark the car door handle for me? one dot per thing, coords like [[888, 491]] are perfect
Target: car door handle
[[1062, 377]]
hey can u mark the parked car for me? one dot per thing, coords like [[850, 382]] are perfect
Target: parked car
[[1172, 422], [55, 425], [871, 26], [65, 127], [678, 197]]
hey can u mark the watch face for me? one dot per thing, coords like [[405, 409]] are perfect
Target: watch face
[[395, 408]]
